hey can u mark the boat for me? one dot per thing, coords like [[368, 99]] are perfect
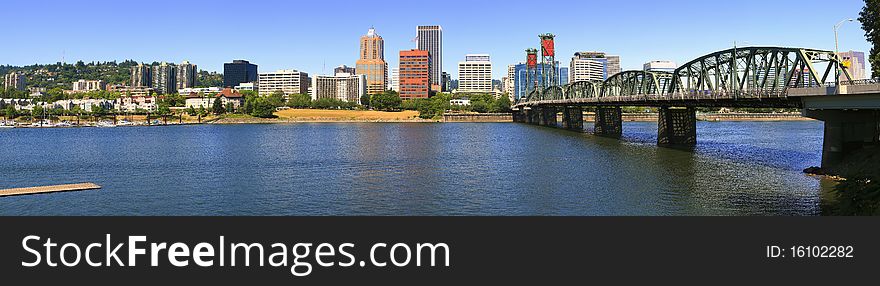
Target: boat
[[106, 124]]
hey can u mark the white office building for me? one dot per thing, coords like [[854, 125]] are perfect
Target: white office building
[[664, 66], [287, 81], [395, 79], [342, 86], [593, 66], [475, 74]]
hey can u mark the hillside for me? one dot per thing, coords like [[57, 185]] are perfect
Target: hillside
[[63, 75]]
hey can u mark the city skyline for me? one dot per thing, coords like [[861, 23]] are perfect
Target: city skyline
[[282, 48]]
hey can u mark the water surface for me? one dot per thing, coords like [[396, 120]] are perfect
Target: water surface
[[737, 168]]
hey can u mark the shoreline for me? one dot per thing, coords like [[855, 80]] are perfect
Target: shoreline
[[447, 118]]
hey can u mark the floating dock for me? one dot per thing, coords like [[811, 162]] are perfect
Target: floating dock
[[49, 189]]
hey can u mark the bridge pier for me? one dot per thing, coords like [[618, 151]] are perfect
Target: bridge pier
[[518, 115], [532, 115], [846, 131], [608, 121], [547, 116], [573, 118], [677, 126]]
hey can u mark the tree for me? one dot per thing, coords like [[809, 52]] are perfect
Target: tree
[[191, 111], [38, 110], [230, 108], [365, 99], [97, 110], [218, 106], [163, 109], [276, 98], [388, 101], [870, 18], [262, 108], [299, 101], [501, 105]]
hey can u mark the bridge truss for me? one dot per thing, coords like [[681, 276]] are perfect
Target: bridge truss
[[738, 73]]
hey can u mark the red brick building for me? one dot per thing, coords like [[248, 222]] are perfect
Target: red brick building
[[415, 74]]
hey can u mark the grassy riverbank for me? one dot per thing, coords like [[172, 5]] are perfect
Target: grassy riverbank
[[325, 115]]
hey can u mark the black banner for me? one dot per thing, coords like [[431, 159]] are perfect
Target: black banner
[[464, 250]]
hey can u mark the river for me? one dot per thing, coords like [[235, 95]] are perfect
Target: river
[[737, 168]]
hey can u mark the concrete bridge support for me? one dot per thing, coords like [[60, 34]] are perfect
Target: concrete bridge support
[[518, 116], [548, 116], [573, 118], [608, 121], [532, 115], [677, 126], [846, 131]]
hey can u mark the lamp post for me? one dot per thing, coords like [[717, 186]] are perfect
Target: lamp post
[[837, 53]]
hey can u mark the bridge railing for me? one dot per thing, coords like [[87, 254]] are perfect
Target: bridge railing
[[856, 82], [755, 94]]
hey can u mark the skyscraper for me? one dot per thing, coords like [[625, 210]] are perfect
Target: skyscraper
[[141, 76], [523, 84], [415, 76], [165, 78], [475, 74], [238, 72], [372, 62], [187, 75], [430, 39]]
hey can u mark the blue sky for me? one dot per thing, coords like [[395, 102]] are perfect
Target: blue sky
[[315, 36]]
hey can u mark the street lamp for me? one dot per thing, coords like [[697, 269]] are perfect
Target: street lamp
[[837, 53]]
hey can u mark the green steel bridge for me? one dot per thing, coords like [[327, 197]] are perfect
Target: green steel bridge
[[779, 77]]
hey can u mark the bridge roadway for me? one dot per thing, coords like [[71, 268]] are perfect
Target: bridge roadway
[[744, 77]]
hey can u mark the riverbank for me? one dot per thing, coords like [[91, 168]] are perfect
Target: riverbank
[[322, 115]]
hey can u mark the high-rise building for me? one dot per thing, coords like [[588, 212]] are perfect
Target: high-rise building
[[524, 84], [430, 38], [593, 66], [344, 69], [445, 81], [475, 74], [187, 75], [395, 79], [342, 86], [563, 75], [14, 80], [141, 76], [510, 81], [664, 66], [415, 74], [237, 72], [89, 85], [854, 63], [371, 63], [165, 78], [286, 81]]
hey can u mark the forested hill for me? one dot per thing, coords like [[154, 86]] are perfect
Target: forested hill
[[63, 75]]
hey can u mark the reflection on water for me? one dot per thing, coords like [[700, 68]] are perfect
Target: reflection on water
[[737, 168]]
